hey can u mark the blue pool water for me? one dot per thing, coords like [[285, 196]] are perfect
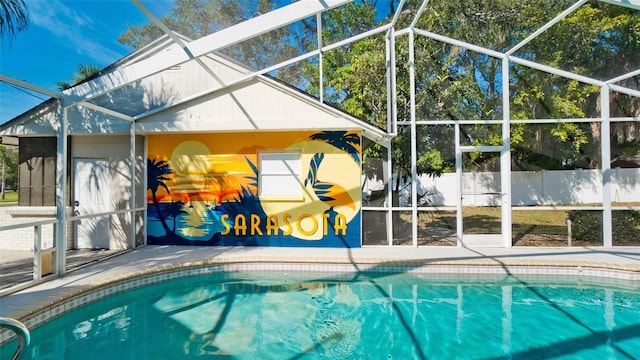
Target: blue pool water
[[376, 316]]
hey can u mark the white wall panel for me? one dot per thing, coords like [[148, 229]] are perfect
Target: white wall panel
[[256, 105], [88, 121], [116, 150], [41, 122]]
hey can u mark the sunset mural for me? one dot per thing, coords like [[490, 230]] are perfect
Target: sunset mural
[[204, 189]]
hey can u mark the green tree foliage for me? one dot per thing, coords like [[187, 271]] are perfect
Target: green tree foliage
[[598, 40], [198, 18], [84, 72], [453, 83], [9, 158]]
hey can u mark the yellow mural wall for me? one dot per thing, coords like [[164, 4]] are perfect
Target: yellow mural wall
[[216, 179]]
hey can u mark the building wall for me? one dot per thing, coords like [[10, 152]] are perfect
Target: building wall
[[113, 148], [211, 189], [116, 150], [259, 104], [22, 239]]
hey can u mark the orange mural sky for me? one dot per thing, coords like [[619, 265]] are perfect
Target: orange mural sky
[[213, 168], [228, 143]]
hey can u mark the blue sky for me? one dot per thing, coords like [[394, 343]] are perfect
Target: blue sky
[[61, 35]]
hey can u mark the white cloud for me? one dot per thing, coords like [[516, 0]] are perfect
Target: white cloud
[[75, 30]]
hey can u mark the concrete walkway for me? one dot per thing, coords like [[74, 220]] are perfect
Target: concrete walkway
[[16, 267]]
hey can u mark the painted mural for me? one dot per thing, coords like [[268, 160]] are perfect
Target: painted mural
[[204, 189]]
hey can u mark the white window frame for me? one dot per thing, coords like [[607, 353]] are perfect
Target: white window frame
[[280, 178]]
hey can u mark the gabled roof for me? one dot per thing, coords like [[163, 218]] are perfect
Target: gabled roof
[[210, 93]]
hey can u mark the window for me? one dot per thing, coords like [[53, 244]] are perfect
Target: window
[[37, 171], [280, 175]]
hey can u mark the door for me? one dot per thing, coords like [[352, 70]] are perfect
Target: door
[[481, 196], [91, 196]]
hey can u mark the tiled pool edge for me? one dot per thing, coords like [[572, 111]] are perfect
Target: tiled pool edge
[[71, 297]]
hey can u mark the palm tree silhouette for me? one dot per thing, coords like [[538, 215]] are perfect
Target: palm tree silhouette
[[157, 171], [84, 72], [349, 142], [175, 209], [329, 193]]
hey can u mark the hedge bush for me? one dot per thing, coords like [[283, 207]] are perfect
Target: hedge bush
[[587, 225]]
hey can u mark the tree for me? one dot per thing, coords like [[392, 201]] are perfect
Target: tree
[[197, 18], [173, 210], [158, 172], [84, 72], [9, 163], [14, 17], [452, 83], [598, 40]]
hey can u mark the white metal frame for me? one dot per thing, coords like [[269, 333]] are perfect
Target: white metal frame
[[505, 150], [81, 94]]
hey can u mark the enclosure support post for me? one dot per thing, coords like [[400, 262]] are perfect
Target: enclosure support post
[[605, 148], [569, 232], [37, 252], [392, 127], [392, 105], [320, 57], [414, 156], [61, 187], [132, 199], [505, 157], [145, 156], [458, 151], [389, 197]]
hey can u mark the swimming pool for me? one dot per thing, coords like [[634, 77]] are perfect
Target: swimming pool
[[247, 315]]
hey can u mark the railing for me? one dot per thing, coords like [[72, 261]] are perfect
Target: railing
[[53, 250], [38, 251], [22, 332], [106, 213]]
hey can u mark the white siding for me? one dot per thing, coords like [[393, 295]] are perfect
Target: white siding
[[40, 122], [256, 105], [116, 150]]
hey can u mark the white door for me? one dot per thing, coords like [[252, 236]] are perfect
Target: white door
[[91, 196], [481, 198]]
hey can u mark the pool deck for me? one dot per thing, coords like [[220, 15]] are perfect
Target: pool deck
[[147, 260]]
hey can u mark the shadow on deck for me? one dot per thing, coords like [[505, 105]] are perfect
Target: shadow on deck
[[16, 267]]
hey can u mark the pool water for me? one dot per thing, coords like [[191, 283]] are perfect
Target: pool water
[[346, 316]]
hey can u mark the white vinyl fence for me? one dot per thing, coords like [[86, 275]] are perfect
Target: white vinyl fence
[[550, 187]]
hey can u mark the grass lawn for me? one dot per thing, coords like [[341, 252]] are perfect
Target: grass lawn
[[480, 220], [487, 220], [529, 227], [9, 197]]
